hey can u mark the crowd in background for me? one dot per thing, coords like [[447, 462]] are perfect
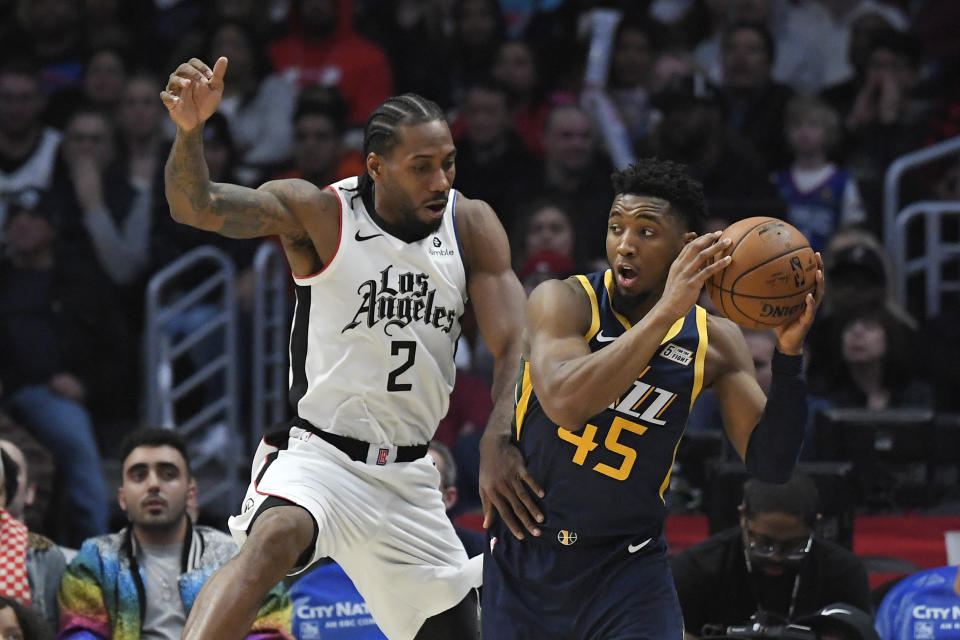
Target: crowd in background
[[789, 108]]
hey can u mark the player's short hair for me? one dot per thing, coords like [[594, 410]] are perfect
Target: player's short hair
[[798, 497], [152, 437], [449, 476], [381, 133], [667, 180]]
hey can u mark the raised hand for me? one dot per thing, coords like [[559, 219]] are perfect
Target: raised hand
[[691, 268], [790, 336], [193, 92]]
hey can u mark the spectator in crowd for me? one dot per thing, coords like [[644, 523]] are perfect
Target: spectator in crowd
[[478, 30], [795, 28], [64, 352], [33, 565], [705, 414], [888, 117], [754, 103], [19, 491], [473, 541], [878, 370], [20, 623], [863, 31], [319, 153], [258, 103], [36, 491], [322, 48], [28, 149], [907, 611], [105, 220], [631, 61], [575, 171], [734, 180], [140, 123], [820, 197], [548, 248], [860, 277], [492, 163], [516, 67], [772, 565], [105, 70], [142, 581], [49, 32]]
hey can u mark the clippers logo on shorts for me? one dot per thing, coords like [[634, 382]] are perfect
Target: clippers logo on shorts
[[677, 354], [399, 301], [382, 456], [566, 538]]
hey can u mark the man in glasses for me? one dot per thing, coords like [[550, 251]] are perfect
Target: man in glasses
[[772, 568]]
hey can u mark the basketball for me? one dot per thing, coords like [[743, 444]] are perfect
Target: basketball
[[771, 271]]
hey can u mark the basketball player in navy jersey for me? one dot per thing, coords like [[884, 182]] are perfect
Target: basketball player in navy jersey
[[383, 265], [613, 363]]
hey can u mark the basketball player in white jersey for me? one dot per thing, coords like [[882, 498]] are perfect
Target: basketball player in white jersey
[[383, 265]]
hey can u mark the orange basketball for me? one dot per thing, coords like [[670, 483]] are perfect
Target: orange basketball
[[772, 269]]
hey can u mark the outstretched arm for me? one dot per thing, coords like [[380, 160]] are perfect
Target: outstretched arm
[[767, 432], [191, 96], [498, 301]]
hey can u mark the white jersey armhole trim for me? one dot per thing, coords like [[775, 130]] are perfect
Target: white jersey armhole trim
[[304, 280], [463, 255]]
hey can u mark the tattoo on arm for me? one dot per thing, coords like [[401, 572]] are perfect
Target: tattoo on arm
[[187, 177]]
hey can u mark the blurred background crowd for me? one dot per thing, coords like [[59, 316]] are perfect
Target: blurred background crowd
[[788, 108]]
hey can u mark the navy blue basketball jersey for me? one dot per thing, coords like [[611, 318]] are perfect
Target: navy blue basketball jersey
[[610, 478]]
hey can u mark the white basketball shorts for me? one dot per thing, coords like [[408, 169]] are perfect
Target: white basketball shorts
[[385, 525]]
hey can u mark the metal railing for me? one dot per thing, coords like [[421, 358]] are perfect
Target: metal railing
[[892, 231], [937, 253], [179, 323], [271, 331]]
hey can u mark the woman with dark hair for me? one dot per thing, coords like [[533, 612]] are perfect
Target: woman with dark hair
[[517, 68], [876, 372], [20, 623]]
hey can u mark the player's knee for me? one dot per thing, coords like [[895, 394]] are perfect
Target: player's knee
[[280, 534]]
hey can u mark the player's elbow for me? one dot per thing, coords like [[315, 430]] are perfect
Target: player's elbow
[[563, 412]]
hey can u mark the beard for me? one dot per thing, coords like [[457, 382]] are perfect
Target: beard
[[415, 229], [624, 302]]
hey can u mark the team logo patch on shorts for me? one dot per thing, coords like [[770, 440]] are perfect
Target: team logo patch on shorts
[[566, 538], [382, 456]]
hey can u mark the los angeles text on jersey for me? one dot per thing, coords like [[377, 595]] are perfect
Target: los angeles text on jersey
[[401, 299]]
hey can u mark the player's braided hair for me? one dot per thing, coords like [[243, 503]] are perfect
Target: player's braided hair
[[668, 180], [381, 133]]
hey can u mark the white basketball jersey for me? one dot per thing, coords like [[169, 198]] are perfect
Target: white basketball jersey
[[374, 332]]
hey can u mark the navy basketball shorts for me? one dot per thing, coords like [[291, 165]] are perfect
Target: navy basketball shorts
[[614, 589]]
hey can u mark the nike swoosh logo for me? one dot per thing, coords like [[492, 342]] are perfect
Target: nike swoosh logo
[[603, 338], [633, 548], [360, 238]]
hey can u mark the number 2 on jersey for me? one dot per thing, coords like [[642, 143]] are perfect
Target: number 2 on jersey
[[585, 443], [395, 347]]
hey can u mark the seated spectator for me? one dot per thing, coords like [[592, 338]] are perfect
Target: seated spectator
[[878, 371], [921, 606], [32, 564], [105, 71], [36, 492], [549, 248], [773, 565], [143, 580], [28, 149], [735, 183], [20, 623], [516, 67], [319, 153], [820, 196], [492, 163], [631, 60], [65, 355], [473, 541], [322, 48], [574, 170], [754, 104]]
